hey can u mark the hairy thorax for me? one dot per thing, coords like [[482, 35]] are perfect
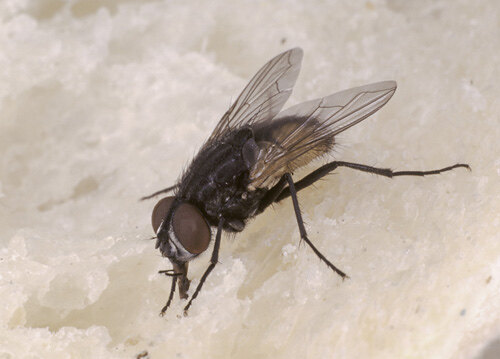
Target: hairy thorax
[[218, 178]]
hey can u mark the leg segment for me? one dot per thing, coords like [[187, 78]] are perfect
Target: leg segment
[[213, 262], [172, 291], [165, 190], [302, 229], [179, 271], [272, 194], [386, 172]]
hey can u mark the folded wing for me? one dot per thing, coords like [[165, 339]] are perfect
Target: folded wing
[[305, 131], [265, 94]]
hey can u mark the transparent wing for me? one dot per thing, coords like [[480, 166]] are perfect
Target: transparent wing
[[305, 131], [265, 94]]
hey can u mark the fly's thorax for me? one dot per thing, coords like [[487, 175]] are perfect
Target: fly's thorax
[[219, 165], [219, 173]]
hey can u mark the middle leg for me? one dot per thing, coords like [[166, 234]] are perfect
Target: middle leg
[[302, 229]]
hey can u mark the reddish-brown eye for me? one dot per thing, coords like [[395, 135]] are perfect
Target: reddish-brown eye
[[160, 211], [191, 228]]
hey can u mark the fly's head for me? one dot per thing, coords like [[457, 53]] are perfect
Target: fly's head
[[181, 229]]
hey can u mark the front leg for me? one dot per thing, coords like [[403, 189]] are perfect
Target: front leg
[[213, 262], [172, 289], [178, 272], [302, 229]]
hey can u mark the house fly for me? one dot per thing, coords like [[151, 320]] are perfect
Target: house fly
[[248, 161]]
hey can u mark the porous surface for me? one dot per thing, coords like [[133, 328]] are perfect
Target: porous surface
[[102, 102]]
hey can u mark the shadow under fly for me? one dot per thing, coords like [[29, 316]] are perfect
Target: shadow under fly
[[247, 164]]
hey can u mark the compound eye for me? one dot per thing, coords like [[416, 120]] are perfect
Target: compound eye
[[191, 228], [160, 212]]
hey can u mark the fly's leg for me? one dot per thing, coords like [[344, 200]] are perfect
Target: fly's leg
[[302, 229], [172, 291], [213, 261], [386, 172], [272, 194], [165, 190], [179, 271]]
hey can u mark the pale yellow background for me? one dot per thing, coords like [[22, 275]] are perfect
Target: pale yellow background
[[103, 102]]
